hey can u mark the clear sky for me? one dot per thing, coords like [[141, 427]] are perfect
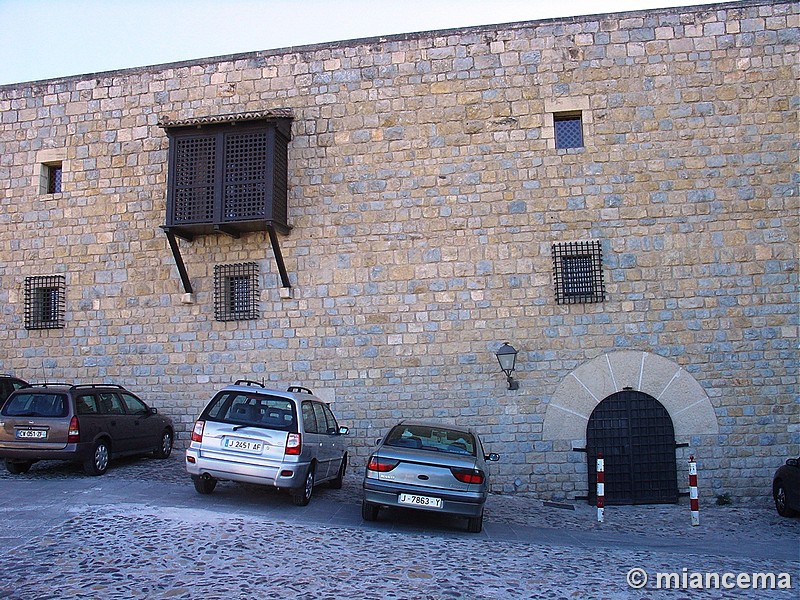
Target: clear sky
[[43, 39]]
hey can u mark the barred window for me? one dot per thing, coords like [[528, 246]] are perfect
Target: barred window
[[50, 178], [54, 179], [44, 302], [578, 272], [569, 130], [236, 292]]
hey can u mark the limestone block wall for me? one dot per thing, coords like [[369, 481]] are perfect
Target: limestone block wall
[[426, 192]]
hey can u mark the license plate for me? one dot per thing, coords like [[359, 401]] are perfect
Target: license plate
[[32, 433], [242, 445], [426, 501]]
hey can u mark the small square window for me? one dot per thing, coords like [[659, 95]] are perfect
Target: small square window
[[236, 292], [569, 130], [44, 302], [51, 178], [578, 272]]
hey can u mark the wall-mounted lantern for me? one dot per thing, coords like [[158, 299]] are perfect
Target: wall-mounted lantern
[[507, 357]]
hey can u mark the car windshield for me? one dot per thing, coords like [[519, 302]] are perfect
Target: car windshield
[[32, 404], [439, 439], [253, 410]]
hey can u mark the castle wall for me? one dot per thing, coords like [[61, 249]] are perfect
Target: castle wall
[[426, 192]]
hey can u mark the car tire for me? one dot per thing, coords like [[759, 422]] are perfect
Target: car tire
[[779, 495], [336, 482], [165, 449], [369, 511], [475, 524], [204, 485], [18, 467], [97, 463], [302, 496]]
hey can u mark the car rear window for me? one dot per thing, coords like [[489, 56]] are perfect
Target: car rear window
[[256, 410], [439, 439], [31, 404]]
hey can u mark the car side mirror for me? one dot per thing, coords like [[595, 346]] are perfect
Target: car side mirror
[[378, 441], [344, 430], [494, 457], [792, 462], [153, 411]]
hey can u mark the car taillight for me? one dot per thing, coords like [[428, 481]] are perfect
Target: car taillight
[[467, 475], [294, 444], [382, 465], [197, 432], [74, 434]]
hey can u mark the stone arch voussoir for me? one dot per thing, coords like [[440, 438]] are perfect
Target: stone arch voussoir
[[584, 388]]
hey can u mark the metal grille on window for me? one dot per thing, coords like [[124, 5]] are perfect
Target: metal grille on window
[[236, 292], [245, 176], [44, 302], [195, 166], [569, 131], [578, 272], [54, 179]]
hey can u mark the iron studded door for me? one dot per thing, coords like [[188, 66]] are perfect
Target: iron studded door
[[635, 434]]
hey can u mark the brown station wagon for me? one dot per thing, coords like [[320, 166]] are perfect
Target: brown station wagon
[[89, 424]]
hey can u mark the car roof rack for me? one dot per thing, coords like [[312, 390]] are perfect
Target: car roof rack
[[97, 385], [248, 383], [298, 388], [51, 384]]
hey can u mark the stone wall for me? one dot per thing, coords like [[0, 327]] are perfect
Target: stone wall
[[426, 192]]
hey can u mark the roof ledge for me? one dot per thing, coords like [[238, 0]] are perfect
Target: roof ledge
[[167, 122]]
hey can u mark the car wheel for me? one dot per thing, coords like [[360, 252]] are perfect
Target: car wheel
[[303, 496], [18, 467], [97, 463], [166, 445], [475, 524], [336, 482], [779, 494], [204, 484], [369, 511]]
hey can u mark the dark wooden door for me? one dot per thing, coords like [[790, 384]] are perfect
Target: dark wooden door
[[635, 434]]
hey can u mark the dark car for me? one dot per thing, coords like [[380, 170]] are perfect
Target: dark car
[[8, 384], [786, 488], [89, 424], [428, 466]]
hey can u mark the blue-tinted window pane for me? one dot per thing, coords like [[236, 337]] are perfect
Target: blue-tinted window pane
[[569, 133]]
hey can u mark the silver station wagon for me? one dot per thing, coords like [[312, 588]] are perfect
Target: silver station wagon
[[284, 439], [428, 466]]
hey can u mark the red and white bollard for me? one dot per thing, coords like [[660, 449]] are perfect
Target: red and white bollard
[[601, 488], [693, 499]]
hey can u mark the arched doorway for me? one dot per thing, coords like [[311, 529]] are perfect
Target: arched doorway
[[635, 433]]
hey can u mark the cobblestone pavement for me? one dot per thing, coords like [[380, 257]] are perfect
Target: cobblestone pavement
[[731, 522], [247, 542]]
